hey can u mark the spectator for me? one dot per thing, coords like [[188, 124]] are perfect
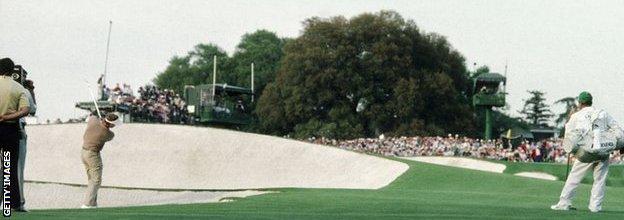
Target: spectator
[[152, 105], [550, 150]]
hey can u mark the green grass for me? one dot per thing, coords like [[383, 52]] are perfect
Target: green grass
[[425, 191], [616, 172]]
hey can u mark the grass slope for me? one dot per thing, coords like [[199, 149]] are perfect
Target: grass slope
[[425, 191]]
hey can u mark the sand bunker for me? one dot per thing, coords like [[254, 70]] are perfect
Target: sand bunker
[[537, 175], [475, 164], [61, 196], [184, 157], [461, 162]]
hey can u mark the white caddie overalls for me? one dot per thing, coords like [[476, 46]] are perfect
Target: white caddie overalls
[[577, 138]]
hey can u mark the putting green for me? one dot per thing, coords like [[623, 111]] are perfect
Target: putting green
[[425, 191]]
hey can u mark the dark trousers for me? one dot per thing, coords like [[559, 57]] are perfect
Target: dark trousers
[[9, 143]]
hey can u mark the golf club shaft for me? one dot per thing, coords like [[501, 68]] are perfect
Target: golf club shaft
[[97, 108], [568, 167]]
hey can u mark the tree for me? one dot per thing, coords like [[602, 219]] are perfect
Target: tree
[[478, 72], [570, 106], [535, 110], [176, 75], [339, 79], [264, 49], [195, 68]]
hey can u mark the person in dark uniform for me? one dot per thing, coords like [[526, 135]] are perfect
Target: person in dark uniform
[[13, 106], [30, 93]]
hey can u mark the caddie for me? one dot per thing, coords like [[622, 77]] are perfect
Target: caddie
[[591, 135], [96, 135]]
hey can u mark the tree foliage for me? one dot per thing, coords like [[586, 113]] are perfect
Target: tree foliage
[[372, 74], [264, 49], [195, 68], [535, 109], [478, 72], [570, 106]]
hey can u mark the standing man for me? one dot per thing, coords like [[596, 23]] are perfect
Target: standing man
[[578, 138], [30, 93], [13, 106], [97, 133]]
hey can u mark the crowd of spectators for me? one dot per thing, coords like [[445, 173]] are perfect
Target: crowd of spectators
[[165, 106], [550, 150], [151, 105]]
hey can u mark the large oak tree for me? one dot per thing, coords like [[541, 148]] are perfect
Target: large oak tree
[[371, 74]]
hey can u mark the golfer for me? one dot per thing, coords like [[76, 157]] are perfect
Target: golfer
[[97, 133], [578, 137]]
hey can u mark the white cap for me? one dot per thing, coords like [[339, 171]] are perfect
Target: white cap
[[116, 122]]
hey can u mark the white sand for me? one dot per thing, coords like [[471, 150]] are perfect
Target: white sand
[[63, 196], [475, 164], [537, 175], [184, 157], [461, 162]]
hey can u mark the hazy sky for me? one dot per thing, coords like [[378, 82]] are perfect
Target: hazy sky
[[560, 47]]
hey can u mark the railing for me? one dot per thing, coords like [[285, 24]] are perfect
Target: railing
[[224, 112]]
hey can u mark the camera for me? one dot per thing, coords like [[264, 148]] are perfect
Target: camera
[[19, 74]]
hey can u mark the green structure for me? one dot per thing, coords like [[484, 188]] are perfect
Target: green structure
[[487, 94], [218, 104], [122, 111], [104, 105]]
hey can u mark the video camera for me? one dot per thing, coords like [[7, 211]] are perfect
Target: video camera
[[19, 74]]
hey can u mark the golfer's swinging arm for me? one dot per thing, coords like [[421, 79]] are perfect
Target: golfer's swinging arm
[[97, 108]]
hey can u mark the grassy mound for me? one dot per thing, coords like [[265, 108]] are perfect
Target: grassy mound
[[425, 191]]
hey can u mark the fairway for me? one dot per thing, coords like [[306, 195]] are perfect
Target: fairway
[[615, 176], [315, 110], [425, 191]]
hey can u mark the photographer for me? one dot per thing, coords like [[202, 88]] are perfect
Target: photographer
[[30, 93], [13, 106]]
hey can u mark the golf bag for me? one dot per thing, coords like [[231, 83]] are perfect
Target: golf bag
[[593, 136]]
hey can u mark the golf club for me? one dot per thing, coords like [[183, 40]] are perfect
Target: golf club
[[568, 167], [97, 108]]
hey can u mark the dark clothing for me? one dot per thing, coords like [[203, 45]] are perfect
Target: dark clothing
[[9, 143]]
